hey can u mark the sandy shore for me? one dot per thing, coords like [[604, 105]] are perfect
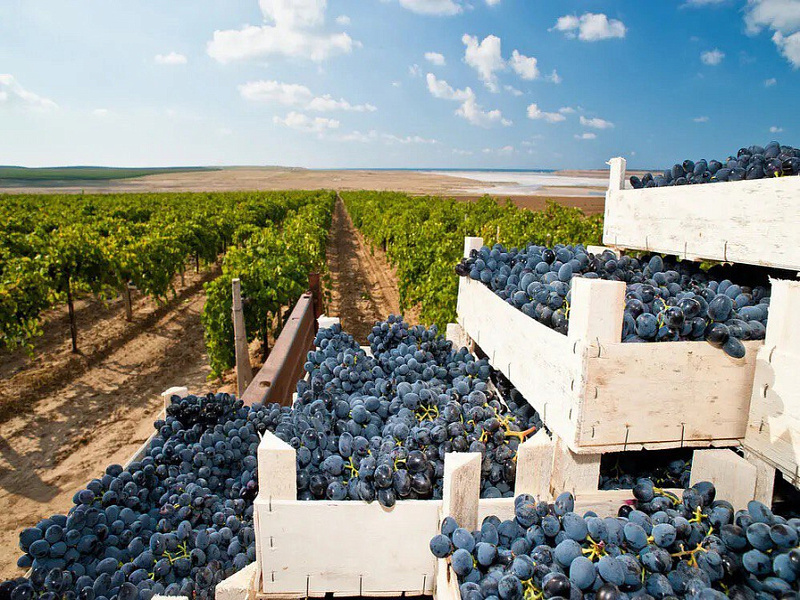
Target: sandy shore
[[257, 178]]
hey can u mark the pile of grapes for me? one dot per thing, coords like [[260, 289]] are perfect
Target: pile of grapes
[[378, 427], [174, 523], [755, 162], [665, 547], [665, 300], [180, 520]]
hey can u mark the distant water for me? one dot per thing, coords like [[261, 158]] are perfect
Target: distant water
[[519, 183]]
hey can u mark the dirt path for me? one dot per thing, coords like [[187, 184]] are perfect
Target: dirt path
[[364, 289], [100, 416]]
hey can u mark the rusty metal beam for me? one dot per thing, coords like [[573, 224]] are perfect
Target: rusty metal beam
[[276, 380]]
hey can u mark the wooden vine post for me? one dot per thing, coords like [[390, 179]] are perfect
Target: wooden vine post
[[316, 294], [126, 298], [244, 373]]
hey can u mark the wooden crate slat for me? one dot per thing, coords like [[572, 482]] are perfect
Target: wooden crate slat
[[751, 222], [671, 392], [773, 429], [601, 396]]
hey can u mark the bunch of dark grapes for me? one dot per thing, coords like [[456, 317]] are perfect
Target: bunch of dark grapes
[[174, 523], [755, 162], [377, 427], [657, 548], [665, 300], [665, 468]]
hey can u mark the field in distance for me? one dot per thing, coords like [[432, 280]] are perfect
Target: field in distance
[[98, 180]]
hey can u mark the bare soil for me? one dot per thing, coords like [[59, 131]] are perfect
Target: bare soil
[[68, 416], [363, 284]]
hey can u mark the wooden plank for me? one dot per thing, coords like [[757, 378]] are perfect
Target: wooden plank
[[765, 477], [784, 315], [472, 243], [596, 310], [773, 429], [733, 477], [535, 465], [711, 222], [446, 582], [544, 365], [456, 334], [244, 372], [634, 392], [306, 550], [462, 488], [239, 586], [277, 468], [616, 174], [575, 473]]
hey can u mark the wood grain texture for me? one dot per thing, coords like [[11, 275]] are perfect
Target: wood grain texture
[[461, 488], [732, 476], [535, 466], [602, 396], [751, 222], [773, 429]]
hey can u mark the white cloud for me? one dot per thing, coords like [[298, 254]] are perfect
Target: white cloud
[[432, 7], [415, 70], [524, 66], [789, 46], [469, 109], [13, 94], [775, 129], [770, 82], [596, 123], [554, 77], [590, 27], [173, 58], [101, 112], [535, 113], [343, 20], [512, 90], [357, 136], [293, 94], [460, 152], [586, 136], [408, 139], [474, 113], [294, 32], [566, 110], [435, 59], [492, 2], [301, 122], [782, 17], [702, 119], [397, 84], [712, 57], [439, 88], [485, 57], [388, 138], [776, 15], [225, 131]]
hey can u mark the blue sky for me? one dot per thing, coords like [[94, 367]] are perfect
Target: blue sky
[[395, 83]]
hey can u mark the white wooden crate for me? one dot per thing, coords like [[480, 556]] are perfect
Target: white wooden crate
[[732, 475], [751, 222], [348, 548], [773, 429], [600, 395]]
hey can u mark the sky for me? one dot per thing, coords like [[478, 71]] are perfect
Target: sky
[[395, 83]]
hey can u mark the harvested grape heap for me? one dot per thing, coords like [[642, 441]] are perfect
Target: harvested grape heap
[[754, 162], [694, 547], [665, 300], [181, 519], [378, 427]]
